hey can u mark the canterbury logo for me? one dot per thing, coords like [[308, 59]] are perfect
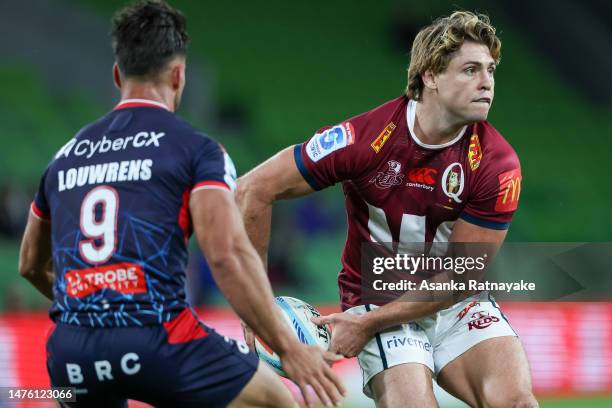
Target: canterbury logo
[[423, 175]]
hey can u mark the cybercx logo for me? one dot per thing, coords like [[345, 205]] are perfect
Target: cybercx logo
[[87, 148], [422, 177], [389, 178]]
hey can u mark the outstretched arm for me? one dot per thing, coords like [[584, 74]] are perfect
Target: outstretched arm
[[235, 265], [275, 179], [239, 273]]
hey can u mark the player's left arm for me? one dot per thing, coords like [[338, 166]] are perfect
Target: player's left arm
[[35, 262]]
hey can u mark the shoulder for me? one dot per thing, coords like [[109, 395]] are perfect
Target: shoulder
[[83, 133], [186, 129], [360, 127], [361, 134], [372, 123], [175, 126], [494, 147], [194, 138], [384, 110]]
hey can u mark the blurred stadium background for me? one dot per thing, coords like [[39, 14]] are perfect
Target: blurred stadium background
[[264, 75]]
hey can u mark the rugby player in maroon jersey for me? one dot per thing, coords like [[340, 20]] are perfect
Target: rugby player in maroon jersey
[[424, 167]]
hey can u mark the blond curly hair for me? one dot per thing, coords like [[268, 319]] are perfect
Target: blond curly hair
[[435, 44]]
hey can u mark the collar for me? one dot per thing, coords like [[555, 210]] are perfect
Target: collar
[[410, 118], [139, 103]]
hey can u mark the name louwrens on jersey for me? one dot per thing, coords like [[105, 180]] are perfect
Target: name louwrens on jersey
[[117, 195], [398, 189], [127, 170]]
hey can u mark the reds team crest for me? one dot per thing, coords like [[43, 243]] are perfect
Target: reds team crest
[[391, 177]]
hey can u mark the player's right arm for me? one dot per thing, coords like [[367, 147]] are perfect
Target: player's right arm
[[35, 262], [326, 158], [330, 156], [276, 178], [239, 273]]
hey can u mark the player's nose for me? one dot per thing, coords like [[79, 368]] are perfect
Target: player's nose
[[486, 80]]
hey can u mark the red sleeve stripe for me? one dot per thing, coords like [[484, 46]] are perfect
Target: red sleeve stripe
[[38, 213], [204, 185]]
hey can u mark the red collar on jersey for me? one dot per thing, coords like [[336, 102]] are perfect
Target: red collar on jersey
[[140, 103]]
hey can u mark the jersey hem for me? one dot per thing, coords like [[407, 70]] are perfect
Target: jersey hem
[[38, 213], [210, 185], [299, 162], [484, 223]]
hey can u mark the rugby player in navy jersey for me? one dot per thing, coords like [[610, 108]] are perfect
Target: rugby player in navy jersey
[[424, 167], [107, 237]]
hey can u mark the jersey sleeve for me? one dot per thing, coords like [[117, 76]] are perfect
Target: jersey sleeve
[[213, 167], [40, 205], [496, 194], [328, 157]]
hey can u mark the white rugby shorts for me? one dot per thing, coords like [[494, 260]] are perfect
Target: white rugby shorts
[[433, 341]]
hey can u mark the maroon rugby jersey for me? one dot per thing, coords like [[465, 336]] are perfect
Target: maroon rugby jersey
[[399, 189]]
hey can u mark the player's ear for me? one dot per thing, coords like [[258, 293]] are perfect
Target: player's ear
[[177, 76], [429, 80], [116, 76]]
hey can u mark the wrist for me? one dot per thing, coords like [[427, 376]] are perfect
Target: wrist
[[285, 343], [369, 324]]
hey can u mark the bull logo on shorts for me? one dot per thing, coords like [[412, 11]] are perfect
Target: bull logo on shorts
[[481, 320], [389, 178]]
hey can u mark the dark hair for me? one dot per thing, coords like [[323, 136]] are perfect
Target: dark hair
[[146, 35]]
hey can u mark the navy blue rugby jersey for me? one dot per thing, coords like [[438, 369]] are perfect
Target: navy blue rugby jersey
[[117, 196]]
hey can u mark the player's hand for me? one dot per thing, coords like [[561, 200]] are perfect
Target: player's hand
[[308, 365], [349, 334], [249, 336]]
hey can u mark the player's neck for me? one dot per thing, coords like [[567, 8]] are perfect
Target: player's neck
[[432, 124], [137, 90]]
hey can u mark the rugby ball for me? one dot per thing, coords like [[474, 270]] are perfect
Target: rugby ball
[[297, 313]]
